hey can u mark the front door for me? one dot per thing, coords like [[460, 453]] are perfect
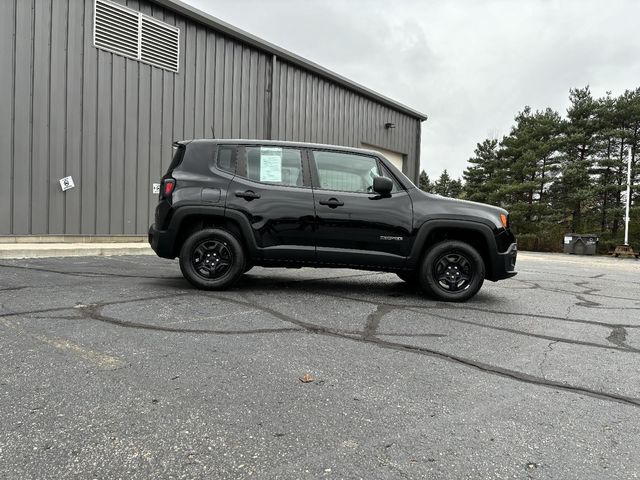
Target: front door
[[272, 189], [355, 225]]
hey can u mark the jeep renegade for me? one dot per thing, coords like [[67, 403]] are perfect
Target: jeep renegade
[[227, 205]]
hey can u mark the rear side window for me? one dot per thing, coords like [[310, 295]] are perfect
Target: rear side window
[[280, 166], [227, 158], [345, 172]]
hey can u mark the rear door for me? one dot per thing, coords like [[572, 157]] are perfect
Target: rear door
[[272, 190], [355, 225]]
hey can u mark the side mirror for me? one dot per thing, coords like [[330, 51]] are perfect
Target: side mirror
[[382, 185]]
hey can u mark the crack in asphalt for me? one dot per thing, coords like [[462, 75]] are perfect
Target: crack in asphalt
[[439, 306], [79, 274], [548, 350], [369, 335], [94, 312], [8, 289], [484, 367], [587, 291]]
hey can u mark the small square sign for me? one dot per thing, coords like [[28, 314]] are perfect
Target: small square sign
[[66, 183], [156, 188]]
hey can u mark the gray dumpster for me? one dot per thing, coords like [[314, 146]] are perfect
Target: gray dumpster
[[580, 243]]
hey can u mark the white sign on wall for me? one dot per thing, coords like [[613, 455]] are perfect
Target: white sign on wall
[[66, 183], [156, 188]]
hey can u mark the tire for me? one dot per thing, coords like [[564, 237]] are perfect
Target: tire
[[409, 277], [452, 271], [212, 259]]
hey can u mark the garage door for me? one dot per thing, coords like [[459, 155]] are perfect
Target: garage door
[[394, 157]]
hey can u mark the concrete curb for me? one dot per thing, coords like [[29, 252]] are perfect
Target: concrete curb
[[42, 250]]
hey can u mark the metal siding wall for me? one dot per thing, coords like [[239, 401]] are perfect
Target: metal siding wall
[[67, 108], [40, 119], [75, 43], [21, 201], [312, 109], [89, 131], [7, 57]]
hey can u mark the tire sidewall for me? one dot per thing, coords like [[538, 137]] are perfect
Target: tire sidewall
[[235, 270], [430, 284]]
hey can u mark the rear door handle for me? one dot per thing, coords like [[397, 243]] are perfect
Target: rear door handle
[[248, 195], [331, 203]]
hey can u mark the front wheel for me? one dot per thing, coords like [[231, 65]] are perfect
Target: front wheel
[[212, 259], [452, 271]]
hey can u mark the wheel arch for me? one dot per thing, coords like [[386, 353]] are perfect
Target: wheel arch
[[477, 235], [190, 219]]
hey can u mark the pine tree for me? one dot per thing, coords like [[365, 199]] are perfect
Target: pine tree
[[529, 155], [442, 186], [455, 188], [578, 149], [424, 183], [479, 177]]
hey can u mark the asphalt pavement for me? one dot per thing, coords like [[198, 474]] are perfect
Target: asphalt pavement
[[115, 367]]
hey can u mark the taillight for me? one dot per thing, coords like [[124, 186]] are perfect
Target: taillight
[[168, 184]]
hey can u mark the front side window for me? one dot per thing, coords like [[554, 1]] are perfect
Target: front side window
[[345, 172], [280, 166]]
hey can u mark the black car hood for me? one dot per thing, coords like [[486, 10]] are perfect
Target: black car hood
[[429, 206]]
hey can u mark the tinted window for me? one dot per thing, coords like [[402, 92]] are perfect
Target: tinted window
[[345, 172], [227, 158], [281, 166]]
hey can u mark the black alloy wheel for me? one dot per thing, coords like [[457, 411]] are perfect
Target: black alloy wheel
[[452, 271], [212, 259]]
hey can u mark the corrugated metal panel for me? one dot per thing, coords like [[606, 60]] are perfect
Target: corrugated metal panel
[[68, 108], [311, 109], [7, 96]]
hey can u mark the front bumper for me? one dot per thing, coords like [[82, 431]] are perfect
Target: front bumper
[[505, 263], [162, 242]]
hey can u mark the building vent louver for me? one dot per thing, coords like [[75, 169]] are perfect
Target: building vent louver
[[159, 45], [132, 34]]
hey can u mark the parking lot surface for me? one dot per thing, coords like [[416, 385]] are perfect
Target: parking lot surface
[[115, 367]]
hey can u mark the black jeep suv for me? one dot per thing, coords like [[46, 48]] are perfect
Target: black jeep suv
[[227, 205]]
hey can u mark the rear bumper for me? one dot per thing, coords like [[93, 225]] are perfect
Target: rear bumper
[[162, 242], [505, 263]]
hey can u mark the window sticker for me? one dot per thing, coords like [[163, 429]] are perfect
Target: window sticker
[[270, 164]]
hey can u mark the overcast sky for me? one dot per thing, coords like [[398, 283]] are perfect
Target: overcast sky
[[470, 65]]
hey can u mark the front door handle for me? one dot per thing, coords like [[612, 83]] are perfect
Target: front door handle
[[331, 203], [248, 195]]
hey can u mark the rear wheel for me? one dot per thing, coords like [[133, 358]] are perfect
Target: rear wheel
[[212, 259], [452, 271]]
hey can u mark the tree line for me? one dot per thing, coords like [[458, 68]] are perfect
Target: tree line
[[559, 174]]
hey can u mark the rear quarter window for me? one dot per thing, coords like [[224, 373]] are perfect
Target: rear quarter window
[[226, 158]]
